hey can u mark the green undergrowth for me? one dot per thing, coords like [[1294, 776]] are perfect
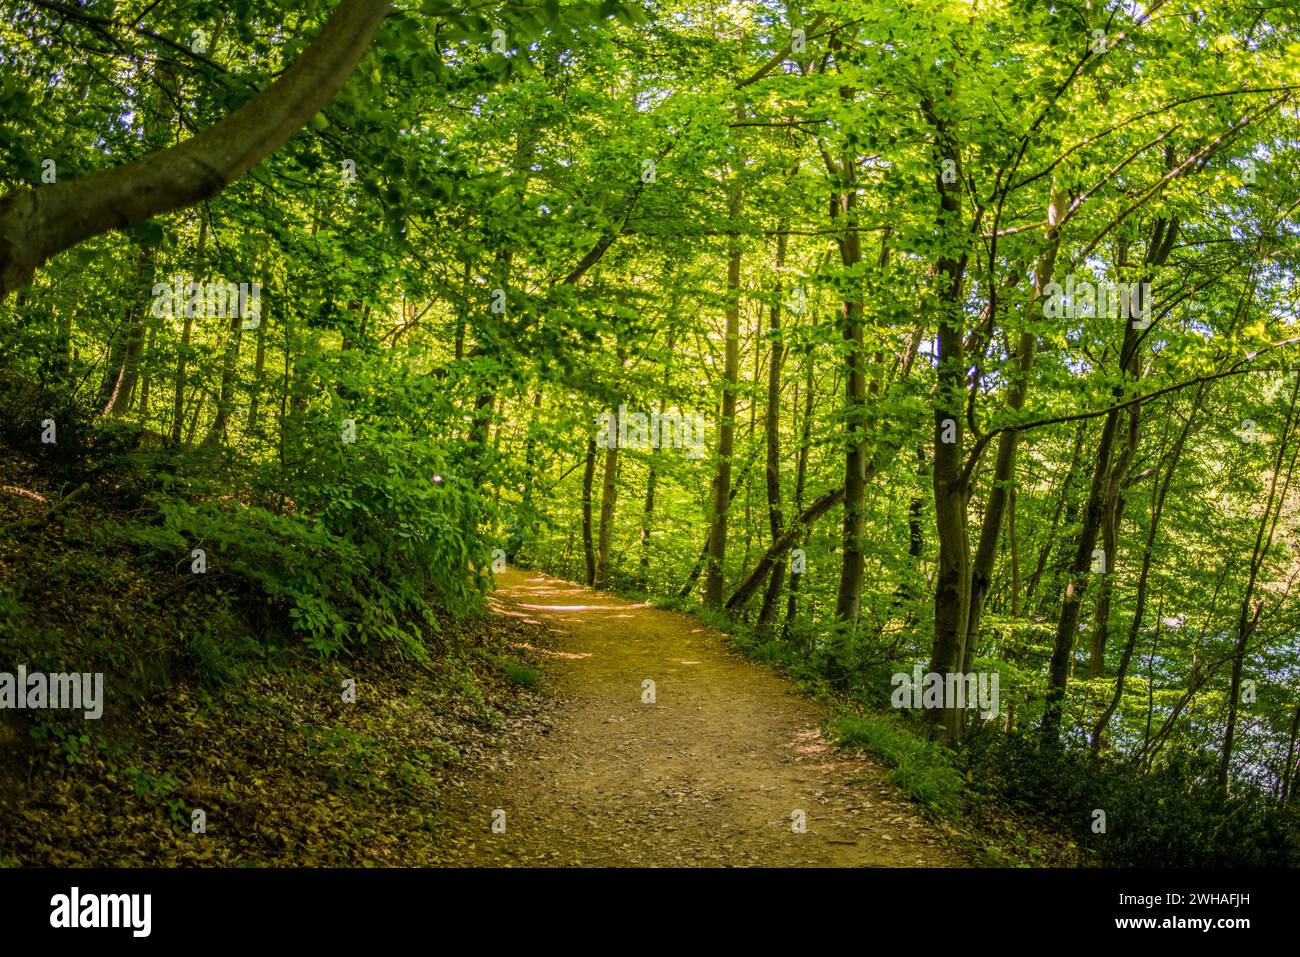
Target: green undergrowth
[[922, 769], [200, 563], [228, 601], [521, 675]]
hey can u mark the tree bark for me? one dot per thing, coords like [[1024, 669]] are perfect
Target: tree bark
[[800, 480], [848, 601], [259, 373], [226, 390], [187, 329], [647, 521], [952, 585]]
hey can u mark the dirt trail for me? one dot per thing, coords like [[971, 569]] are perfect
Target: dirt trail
[[709, 774]]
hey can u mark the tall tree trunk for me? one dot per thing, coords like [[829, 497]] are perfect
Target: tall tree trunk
[[800, 480], [259, 373], [1004, 471], [179, 383], [1112, 516], [226, 390], [1068, 623], [748, 524], [588, 477], [952, 584], [647, 523], [1014, 540], [146, 371], [648, 509], [652, 475], [1144, 575], [772, 435], [715, 570], [848, 601], [113, 364], [1158, 248], [907, 589], [608, 491], [132, 343]]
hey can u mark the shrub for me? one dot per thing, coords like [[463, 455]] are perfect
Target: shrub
[[1171, 816]]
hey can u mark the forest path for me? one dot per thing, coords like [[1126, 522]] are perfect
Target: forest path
[[708, 775]]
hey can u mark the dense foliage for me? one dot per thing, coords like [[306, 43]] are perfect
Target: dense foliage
[[788, 311]]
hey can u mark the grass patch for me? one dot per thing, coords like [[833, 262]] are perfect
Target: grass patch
[[921, 768], [521, 675]]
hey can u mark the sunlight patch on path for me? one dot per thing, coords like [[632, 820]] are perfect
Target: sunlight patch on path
[[712, 773]]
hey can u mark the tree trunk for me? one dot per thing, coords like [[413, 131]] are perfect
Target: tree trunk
[[848, 601], [133, 339], [800, 480], [1148, 554], [113, 365], [588, 477], [772, 436], [1071, 604], [1112, 516], [608, 490], [1004, 471], [146, 373], [952, 584], [648, 509], [1068, 623], [715, 570], [179, 382], [226, 391], [259, 372], [647, 522]]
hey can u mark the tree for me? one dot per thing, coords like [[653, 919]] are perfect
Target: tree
[[36, 224]]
